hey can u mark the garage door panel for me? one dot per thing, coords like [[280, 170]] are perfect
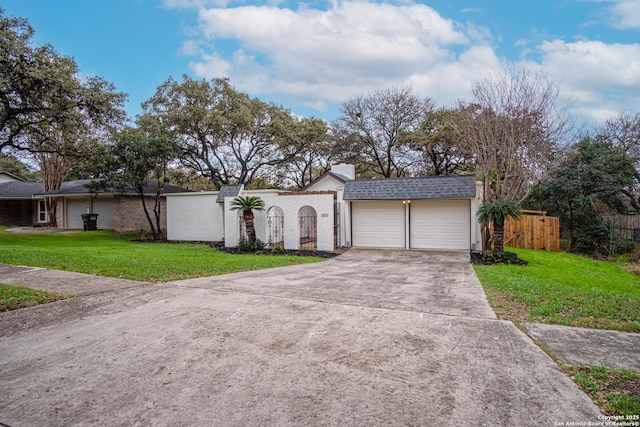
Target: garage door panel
[[75, 209], [379, 224], [104, 209], [440, 224]]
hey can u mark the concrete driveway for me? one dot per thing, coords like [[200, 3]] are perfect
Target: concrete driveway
[[368, 338]]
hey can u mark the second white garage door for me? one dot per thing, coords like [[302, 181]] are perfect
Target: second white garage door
[[432, 224], [440, 224]]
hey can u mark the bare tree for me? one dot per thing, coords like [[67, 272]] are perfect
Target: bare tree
[[377, 120], [513, 129], [624, 132]]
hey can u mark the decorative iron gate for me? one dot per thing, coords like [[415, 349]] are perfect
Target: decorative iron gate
[[275, 224], [308, 228]]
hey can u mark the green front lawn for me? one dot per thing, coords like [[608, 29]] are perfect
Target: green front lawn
[[563, 289], [115, 255]]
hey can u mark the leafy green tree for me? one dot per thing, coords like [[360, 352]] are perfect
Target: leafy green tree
[[224, 134], [247, 205], [46, 109], [438, 142], [138, 158], [311, 153], [61, 148], [598, 177], [38, 87], [497, 212], [13, 165]]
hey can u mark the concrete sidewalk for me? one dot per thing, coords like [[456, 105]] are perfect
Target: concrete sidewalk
[[589, 347], [65, 282]]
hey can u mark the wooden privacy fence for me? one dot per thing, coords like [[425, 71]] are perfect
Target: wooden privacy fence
[[628, 225], [535, 230]]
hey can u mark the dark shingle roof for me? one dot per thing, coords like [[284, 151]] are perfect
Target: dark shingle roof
[[20, 190], [78, 186], [228, 191], [81, 187], [27, 190], [431, 187]]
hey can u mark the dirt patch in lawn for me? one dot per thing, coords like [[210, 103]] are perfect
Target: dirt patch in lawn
[[507, 307]]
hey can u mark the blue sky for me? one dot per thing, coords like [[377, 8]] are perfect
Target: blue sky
[[312, 56]]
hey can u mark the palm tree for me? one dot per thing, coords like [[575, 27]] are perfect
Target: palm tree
[[497, 212], [248, 205]]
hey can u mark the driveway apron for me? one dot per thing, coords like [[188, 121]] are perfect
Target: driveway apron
[[368, 338]]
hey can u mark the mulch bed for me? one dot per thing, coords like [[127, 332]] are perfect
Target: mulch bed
[[490, 258], [320, 254]]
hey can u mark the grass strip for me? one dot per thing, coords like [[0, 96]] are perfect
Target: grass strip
[[14, 297]]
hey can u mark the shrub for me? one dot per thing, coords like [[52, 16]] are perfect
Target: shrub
[[493, 257], [248, 246]]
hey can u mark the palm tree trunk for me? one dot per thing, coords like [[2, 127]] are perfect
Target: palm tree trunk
[[247, 216], [498, 238]]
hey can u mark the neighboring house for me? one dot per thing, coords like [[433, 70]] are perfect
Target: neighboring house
[[23, 203], [117, 211], [17, 204], [337, 210]]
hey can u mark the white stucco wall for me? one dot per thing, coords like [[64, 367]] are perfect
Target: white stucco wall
[[195, 217], [329, 183], [476, 231], [290, 205]]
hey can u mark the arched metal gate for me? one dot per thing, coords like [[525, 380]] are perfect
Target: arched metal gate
[[308, 228], [275, 225]]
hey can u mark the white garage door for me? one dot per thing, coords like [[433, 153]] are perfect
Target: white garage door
[[104, 209], [378, 224], [440, 224], [75, 208]]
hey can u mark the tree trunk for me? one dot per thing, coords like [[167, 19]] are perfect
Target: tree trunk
[[247, 216], [157, 235], [498, 237], [51, 206]]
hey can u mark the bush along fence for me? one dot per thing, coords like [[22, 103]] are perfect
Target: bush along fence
[[535, 230]]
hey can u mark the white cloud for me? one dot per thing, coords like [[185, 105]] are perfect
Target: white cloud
[[212, 66], [321, 56], [190, 48], [626, 13], [601, 79], [318, 58], [593, 64], [451, 81]]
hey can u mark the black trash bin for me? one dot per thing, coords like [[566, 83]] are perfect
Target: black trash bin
[[90, 221]]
